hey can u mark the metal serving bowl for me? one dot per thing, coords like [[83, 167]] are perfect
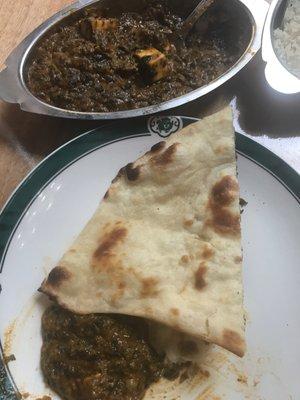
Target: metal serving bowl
[[13, 87], [277, 75]]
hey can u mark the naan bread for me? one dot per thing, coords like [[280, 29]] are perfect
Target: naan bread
[[165, 242], [177, 346]]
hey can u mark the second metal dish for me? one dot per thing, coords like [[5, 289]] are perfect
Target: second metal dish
[[277, 75]]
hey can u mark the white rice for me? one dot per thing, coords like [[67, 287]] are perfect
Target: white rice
[[287, 38]]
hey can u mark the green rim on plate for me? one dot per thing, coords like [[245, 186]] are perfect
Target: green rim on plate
[[88, 142]]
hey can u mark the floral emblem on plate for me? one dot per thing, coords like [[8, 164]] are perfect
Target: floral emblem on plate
[[164, 126]]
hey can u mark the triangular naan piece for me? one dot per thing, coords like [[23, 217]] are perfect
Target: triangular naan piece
[[165, 242]]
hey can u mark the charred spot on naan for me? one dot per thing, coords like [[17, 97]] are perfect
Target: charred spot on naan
[[220, 150], [166, 157], [234, 342], [207, 252], [121, 285], [187, 223], [200, 282], [115, 277], [224, 222], [119, 175], [222, 195], [175, 311], [149, 287], [108, 242], [225, 191], [132, 173], [157, 147], [184, 259], [106, 195], [238, 259], [57, 277]]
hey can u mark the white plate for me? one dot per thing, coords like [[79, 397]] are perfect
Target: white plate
[[55, 201]]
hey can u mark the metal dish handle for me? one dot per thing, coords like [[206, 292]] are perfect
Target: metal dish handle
[[10, 91], [11, 88]]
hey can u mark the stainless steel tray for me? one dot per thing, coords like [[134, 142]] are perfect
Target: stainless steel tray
[[13, 88]]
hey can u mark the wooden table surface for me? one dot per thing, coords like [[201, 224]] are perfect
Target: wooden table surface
[[25, 138]]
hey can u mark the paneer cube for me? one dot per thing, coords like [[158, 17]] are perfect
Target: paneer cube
[[103, 24], [89, 27], [154, 64]]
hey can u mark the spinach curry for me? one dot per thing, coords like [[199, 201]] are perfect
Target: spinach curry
[[99, 356], [102, 63]]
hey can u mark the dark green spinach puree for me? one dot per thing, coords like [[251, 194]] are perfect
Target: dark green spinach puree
[[102, 63], [99, 356]]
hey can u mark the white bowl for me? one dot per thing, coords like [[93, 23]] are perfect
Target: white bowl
[[277, 75]]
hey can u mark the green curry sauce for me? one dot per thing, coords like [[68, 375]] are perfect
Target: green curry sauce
[[99, 356]]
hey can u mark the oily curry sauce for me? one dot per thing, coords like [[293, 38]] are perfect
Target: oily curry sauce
[[99, 356]]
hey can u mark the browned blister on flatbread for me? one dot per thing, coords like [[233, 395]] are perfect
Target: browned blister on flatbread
[[165, 242]]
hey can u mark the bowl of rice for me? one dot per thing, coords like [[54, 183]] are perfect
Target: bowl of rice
[[281, 46]]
